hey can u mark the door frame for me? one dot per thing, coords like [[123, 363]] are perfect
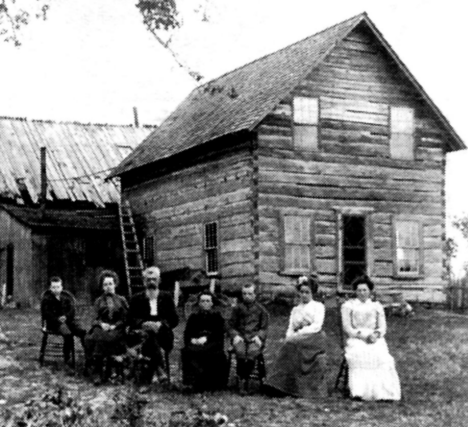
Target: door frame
[[365, 212]]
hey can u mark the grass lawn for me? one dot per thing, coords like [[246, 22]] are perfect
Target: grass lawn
[[430, 348]]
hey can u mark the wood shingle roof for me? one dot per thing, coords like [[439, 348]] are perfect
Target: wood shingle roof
[[240, 99], [79, 157]]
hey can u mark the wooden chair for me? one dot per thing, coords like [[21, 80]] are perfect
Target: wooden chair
[[52, 341], [257, 374], [341, 382]]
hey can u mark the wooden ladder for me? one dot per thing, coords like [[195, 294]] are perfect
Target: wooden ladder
[[131, 250]]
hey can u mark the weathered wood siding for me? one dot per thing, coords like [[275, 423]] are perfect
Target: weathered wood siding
[[174, 207], [15, 233], [77, 256], [352, 167]]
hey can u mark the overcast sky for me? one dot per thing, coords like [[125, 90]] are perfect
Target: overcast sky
[[93, 60]]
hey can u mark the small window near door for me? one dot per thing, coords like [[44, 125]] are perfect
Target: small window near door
[[408, 247], [211, 248], [306, 120], [148, 250]]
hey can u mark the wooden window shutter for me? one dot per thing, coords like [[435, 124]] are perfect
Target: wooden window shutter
[[402, 133], [306, 112], [296, 243]]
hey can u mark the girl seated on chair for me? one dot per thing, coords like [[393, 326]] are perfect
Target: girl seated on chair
[[300, 369], [372, 373]]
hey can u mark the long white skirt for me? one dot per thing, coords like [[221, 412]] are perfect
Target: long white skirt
[[372, 372]]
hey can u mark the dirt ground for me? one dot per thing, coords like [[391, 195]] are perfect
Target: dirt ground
[[430, 348]]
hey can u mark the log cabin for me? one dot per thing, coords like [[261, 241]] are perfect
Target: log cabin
[[58, 216], [324, 156]]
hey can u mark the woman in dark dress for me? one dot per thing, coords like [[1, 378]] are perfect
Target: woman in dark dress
[[204, 363], [301, 364], [106, 337]]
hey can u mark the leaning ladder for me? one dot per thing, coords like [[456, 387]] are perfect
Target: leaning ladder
[[131, 249]]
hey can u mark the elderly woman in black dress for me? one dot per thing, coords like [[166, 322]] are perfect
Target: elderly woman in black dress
[[106, 337], [204, 364]]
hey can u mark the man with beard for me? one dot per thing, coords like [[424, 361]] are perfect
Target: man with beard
[[153, 316]]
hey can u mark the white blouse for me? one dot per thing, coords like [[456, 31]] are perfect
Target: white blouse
[[361, 319], [306, 319]]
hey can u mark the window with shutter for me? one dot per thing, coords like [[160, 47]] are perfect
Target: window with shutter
[[306, 120], [297, 243], [402, 133]]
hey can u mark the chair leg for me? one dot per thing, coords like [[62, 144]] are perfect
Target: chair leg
[[43, 348], [73, 353], [343, 377], [168, 366]]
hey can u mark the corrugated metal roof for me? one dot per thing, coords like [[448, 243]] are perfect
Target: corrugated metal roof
[[240, 99], [79, 157]]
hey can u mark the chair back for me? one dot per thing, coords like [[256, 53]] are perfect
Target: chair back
[[341, 298]]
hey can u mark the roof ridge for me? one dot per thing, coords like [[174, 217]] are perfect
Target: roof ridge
[[360, 15], [76, 122]]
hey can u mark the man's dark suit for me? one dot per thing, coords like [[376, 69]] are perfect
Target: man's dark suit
[[140, 312]]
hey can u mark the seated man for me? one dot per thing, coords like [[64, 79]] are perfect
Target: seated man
[[204, 365], [248, 330], [58, 312], [152, 314]]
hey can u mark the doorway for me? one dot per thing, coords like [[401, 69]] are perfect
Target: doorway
[[354, 248]]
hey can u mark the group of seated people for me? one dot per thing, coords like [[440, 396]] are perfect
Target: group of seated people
[[299, 369]]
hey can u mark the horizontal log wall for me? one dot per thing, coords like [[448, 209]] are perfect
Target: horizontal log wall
[[175, 206], [352, 168]]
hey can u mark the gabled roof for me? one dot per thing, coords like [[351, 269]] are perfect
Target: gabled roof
[[240, 99], [79, 157]]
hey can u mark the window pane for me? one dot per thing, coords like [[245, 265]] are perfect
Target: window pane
[[402, 120], [211, 261], [402, 146], [297, 257], [407, 234], [408, 260], [211, 235], [306, 110], [296, 229], [306, 137]]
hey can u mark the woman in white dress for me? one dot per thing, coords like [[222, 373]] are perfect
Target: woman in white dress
[[372, 372], [300, 368]]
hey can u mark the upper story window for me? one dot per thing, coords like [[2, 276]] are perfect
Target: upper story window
[[306, 119], [211, 247], [402, 133], [408, 247]]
